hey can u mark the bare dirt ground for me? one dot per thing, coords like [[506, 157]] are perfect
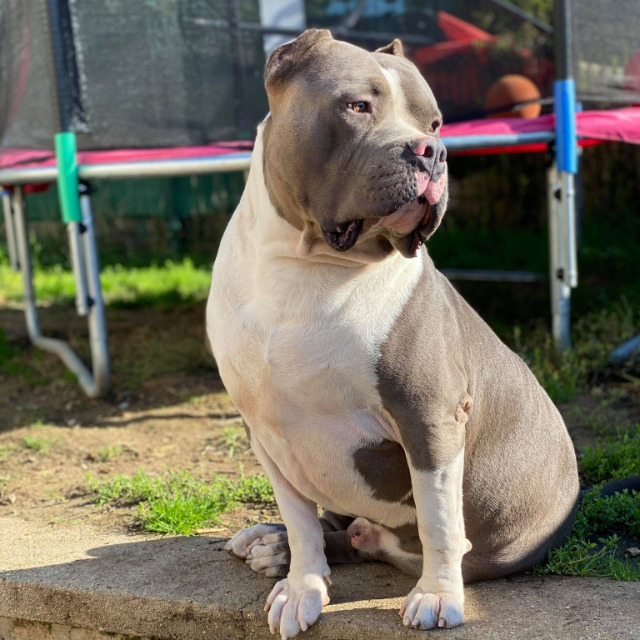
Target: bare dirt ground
[[151, 420], [167, 411]]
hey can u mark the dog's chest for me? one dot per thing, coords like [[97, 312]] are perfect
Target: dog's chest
[[297, 350]]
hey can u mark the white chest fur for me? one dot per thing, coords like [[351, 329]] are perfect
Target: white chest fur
[[296, 338]]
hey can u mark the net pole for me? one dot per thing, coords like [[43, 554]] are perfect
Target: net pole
[[566, 159]]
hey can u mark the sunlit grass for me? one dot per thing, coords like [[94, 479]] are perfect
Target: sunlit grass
[[179, 503], [158, 285]]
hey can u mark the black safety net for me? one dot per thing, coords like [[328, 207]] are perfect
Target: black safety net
[[155, 73]]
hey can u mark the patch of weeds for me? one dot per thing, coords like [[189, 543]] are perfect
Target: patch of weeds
[[13, 363], [233, 440], [109, 453], [178, 503], [613, 458], [593, 548], [563, 375], [256, 489], [154, 353], [595, 335], [34, 443], [6, 451]]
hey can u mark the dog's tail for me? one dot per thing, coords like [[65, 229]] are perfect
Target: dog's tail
[[617, 486]]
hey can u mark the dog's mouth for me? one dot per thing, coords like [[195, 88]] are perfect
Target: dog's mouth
[[410, 226], [407, 228], [344, 236]]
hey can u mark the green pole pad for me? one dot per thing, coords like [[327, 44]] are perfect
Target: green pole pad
[[68, 177]]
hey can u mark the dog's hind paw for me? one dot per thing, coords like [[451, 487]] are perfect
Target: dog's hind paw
[[432, 610], [242, 543], [294, 606]]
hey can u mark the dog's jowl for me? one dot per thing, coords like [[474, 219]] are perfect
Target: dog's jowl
[[368, 385]]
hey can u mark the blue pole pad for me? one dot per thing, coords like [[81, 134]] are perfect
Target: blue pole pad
[[564, 94]]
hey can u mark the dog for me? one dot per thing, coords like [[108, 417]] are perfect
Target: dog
[[367, 384]]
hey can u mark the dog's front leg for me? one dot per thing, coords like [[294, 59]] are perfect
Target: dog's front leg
[[437, 600], [295, 603]]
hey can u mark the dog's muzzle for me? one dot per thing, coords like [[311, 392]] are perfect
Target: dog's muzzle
[[416, 218]]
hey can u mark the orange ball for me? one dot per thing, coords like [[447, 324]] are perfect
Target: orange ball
[[509, 91]]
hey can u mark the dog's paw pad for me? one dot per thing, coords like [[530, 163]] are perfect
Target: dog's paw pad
[[424, 610]]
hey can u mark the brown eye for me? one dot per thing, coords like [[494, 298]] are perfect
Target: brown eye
[[435, 125], [358, 107]]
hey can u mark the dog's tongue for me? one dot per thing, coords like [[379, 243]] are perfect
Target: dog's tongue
[[431, 190]]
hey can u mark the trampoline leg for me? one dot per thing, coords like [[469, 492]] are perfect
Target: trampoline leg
[[558, 261], [93, 385], [98, 335], [10, 226]]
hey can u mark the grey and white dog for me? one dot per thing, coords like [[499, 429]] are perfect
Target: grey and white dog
[[368, 385]]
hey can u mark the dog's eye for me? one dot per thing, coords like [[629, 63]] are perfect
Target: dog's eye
[[358, 107], [435, 125]]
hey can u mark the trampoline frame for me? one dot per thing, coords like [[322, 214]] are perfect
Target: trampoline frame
[[84, 253]]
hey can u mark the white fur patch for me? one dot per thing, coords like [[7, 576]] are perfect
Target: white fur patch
[[438, 598], [296, 340]]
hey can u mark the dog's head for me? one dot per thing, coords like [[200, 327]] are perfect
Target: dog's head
[[352, 147]]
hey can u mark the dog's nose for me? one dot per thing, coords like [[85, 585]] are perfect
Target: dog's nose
[[430, 148]]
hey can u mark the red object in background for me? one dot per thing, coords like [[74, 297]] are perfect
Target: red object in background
[[461, 69], [509, 91], [461, 31], [461, 37]]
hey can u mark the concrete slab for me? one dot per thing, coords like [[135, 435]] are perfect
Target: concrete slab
[[84, 585]]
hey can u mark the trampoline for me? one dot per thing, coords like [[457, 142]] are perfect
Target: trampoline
[[119, 135]]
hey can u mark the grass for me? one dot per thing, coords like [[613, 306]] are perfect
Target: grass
[[614, 458], [105, 454], [593, 549], [595, 544], [232, 440], [179, 503], [160, 286], [6, 451], [11, 363], [35, 443], [595, 336]]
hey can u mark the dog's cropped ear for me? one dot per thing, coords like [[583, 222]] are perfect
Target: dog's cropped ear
[[395, 48], [283, 60]]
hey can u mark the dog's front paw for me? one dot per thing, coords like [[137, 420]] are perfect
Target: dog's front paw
[[294, 606], [425, 610], [244, 540]]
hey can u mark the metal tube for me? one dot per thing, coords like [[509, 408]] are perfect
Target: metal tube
[[230, 162], [98, 334], [124, 170], [10, 230], [467, 143], [168, 168], [78, 267], [559, 291], [486, 275], [57, 347], [570, 236]]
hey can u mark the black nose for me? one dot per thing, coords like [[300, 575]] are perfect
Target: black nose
[[431, 149]]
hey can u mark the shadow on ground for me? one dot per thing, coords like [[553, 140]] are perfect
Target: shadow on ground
[[189, 587]]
